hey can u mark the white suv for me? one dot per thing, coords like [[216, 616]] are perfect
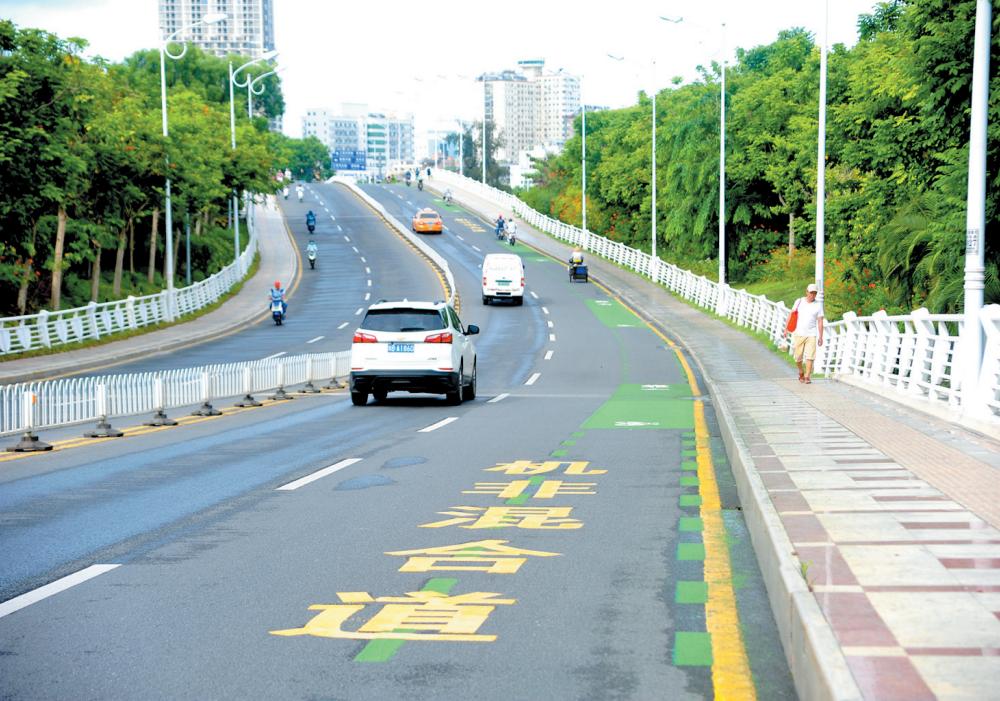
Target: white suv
[[413, 347]]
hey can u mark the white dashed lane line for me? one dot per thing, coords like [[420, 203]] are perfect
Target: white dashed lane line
[[36, 595], [439, 424], [369, 283], [358, 313], [368, 295], [368, 271], [276, 355], [477, 248], [536, 297], [460, 238], [498, 398], [339, 228], [356, 250], [548, 355], [552, 337], [363, 260], [551, 325], [318, 474], [318, 338], [545, 310], [347, 238], [341, 326], [533, 378]]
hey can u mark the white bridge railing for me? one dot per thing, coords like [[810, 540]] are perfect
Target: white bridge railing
[[27, 407], [94, 321], [912, 358]]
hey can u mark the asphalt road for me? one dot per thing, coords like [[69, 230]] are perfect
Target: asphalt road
[[545, 540]]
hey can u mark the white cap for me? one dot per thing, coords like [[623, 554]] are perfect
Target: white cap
[[811, 288]]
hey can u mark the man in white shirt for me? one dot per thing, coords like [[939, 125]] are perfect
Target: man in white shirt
[[808, 332]]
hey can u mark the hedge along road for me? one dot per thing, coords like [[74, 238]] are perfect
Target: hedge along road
[[559, 538]]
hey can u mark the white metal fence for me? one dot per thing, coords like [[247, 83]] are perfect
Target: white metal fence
[[916, 356], [94, 321], [47, 404]]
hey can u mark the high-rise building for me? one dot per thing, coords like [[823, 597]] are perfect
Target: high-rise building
[[247, 30], [530, 108], [360, 140]]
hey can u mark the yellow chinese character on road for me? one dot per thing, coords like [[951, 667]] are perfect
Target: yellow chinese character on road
[[546, 489], [420, 615], [546, 517], [491, 556], [526, 467]]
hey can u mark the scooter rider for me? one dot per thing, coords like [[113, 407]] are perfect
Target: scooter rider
[[576, 257], [278, 294], [300, 191], [500, 226], [511, 228], [312, 250], [310, 221], [447, 195]]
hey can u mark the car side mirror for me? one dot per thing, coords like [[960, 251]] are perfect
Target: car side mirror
[[471, 330]]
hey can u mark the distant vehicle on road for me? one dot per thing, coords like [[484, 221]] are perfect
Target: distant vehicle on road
[[427, 221], [413, 347]]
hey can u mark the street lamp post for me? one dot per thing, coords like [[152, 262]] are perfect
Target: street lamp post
[[233, 81], [975, 218], [821, 159], [168, 258]]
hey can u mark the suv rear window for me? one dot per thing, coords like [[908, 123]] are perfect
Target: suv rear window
[[402, 320]]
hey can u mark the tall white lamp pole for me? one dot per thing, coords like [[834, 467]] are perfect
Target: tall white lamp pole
[[821, 159], [168, 258]]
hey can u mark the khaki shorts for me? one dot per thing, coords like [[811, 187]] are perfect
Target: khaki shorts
[[803, 346]]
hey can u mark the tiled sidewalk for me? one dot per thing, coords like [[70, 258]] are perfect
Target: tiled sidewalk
[[892, 515]]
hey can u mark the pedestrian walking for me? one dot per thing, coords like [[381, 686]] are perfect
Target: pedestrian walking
[[807, 332]]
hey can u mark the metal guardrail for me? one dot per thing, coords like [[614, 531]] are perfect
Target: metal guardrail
[[27, 407], [912, 357], [94, 321]]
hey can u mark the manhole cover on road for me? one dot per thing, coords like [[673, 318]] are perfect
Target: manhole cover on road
[[404, 461], [365, 481]]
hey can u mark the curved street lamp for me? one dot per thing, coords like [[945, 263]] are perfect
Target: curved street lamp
[[233, 81], [168, 267]]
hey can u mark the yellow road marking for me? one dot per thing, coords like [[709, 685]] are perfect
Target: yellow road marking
[[731, 675]]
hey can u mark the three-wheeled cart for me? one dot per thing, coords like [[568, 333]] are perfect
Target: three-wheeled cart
[[577, 272]]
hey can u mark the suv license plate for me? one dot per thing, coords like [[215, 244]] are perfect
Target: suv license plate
[[400, 347]]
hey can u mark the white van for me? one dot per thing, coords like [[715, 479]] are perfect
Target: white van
[[503, 278]]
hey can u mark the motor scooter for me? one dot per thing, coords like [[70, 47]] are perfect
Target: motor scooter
[[277, 311], [420, 184], [311, 226], [311, 255]]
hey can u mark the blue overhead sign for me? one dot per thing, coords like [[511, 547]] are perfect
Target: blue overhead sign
[[348, 159]]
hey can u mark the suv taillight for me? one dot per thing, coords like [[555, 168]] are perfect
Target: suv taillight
[[439, 338], [484, 281], [522, 283], [364, 338]]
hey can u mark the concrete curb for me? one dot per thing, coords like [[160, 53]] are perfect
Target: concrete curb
[[818, 666]]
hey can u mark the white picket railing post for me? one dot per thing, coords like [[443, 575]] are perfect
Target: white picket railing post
[[160, 418], [206, 408], [309, 387], [280, 394], [29, 442], [104, 429], [248, 399]]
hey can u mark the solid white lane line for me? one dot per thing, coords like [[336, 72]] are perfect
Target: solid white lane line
[[548, 355], [535, 296], [358, 313], [533, 378], [545, 310], [551, 325], [498, 398], [478, 248], [318, 338], [368, 271], [318, 474], [552, 337], [276, 355], [439, 424], [341, 326], [36, 595], [347, 238], [368, 295]]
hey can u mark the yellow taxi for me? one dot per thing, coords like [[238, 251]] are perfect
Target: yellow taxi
[[427, 221]]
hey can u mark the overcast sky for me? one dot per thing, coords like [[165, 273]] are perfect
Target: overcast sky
[[410, 56]]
